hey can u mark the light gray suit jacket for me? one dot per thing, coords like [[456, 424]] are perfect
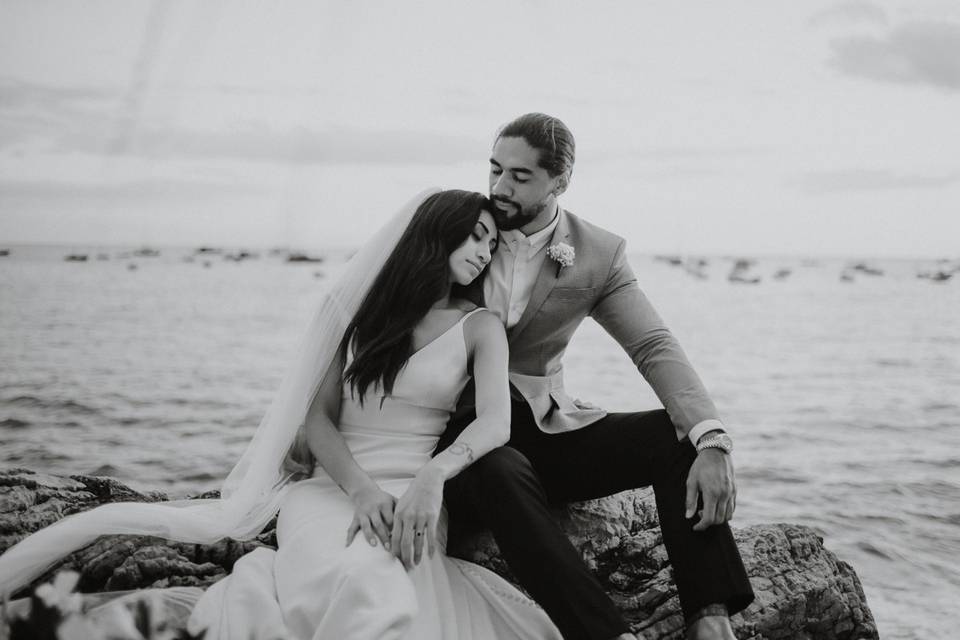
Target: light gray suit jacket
[[599, 284]]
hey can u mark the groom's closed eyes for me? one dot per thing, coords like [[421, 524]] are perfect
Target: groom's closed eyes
[[520, 174]]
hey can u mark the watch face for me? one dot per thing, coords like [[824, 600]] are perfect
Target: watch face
[[725, 441]]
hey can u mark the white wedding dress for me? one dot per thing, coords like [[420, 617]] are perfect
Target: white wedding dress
[[316, 588]]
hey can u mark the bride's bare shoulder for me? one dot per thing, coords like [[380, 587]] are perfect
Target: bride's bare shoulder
[[483, 325]]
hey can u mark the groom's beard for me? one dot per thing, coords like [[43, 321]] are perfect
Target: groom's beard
[[520, 217]]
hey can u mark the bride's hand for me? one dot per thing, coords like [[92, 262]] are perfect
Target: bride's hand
[[415, 519], [373, 514]]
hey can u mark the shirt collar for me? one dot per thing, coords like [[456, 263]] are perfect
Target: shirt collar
[[537, 240]]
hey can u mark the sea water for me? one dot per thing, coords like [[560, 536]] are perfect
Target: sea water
[[841, 387]]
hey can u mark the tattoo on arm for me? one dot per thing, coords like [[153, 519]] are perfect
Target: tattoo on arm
[[461, 449]]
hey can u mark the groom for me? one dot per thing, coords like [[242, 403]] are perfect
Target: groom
[[553, 269]]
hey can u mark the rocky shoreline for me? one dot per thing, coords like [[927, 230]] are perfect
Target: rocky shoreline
[[803, 590]]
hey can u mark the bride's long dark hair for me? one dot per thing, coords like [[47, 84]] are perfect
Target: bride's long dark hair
[[414, 277]]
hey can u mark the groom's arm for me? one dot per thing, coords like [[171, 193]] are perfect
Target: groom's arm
[[627, 315]]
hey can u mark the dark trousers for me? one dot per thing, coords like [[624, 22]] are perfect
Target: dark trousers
[[510, 491]]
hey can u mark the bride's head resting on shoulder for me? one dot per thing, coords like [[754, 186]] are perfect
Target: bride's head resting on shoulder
[[446, 246]]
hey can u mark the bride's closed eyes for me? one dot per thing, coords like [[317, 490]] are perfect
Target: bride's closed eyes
[[480, 231]]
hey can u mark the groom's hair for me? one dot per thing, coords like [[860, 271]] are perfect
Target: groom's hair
[[550, 137], [414, 277]]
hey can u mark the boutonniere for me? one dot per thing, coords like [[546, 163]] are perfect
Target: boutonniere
[[563, 254]]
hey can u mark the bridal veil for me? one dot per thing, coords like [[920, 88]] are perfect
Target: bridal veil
[[252, 492]]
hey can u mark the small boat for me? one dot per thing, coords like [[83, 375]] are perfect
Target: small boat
[[935, 276], [696, 267], [76, 257], [240, 256], [866, 269], [676, 261], [739, 272], [302, 257]]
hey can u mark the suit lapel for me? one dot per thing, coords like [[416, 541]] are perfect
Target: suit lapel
[[546, 279]]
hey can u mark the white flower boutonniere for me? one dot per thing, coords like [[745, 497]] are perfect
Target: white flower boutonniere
[[563, 254]]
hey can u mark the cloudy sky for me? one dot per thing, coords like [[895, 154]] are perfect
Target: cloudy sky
[[774, 126]]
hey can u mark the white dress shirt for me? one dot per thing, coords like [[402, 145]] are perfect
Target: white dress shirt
[[510, 278], [513, 271]]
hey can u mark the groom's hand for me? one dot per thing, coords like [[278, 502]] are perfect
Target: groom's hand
[[711, 477]]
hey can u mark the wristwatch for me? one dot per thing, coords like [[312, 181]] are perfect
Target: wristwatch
[[718, 440]]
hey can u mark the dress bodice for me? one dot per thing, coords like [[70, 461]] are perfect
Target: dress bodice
[[425, 391]]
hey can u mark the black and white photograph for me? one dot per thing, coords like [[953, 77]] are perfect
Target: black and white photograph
[[499, 320]]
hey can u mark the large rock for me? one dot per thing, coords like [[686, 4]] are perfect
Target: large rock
[[803, 591]]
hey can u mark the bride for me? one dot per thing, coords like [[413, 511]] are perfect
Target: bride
[[344, 454]]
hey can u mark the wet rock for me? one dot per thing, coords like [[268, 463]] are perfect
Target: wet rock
[[30, 501], [803, 590]]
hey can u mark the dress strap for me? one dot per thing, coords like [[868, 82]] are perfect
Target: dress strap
[[470, 313]]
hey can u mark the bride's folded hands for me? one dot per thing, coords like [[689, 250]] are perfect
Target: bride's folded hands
[[416, 516], [374, 515]]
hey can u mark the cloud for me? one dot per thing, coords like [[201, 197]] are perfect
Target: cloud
[[135, 189], [824, 182], [913, 53], [849, 13], [96, 121], [305, 146], [19, 94]]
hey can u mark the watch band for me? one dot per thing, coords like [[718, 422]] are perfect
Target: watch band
[[717, 441]]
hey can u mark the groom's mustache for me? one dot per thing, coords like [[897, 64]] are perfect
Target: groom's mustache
[[506, 201]]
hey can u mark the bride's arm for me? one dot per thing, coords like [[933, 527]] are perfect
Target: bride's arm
[[374, 507], [487, 343], [418, 509]]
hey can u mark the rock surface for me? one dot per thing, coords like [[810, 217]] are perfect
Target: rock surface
[[803, 590]]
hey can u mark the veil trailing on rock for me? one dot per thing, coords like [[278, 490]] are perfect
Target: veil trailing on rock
[[252, 492]]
